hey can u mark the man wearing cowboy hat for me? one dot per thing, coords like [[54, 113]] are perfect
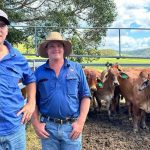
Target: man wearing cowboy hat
[[13, 113], [63, 97]]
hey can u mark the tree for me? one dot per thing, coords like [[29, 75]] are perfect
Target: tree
[[63, 13]]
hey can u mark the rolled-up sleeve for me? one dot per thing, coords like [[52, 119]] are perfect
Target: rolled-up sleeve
[[28, 75], [84, 90]]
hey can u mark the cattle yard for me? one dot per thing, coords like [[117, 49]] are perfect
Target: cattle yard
[[102, 134]]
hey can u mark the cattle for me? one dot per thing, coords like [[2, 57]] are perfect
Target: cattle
[[106, 88], [136, 72], [130, 82], [92, 75], [145, 77]]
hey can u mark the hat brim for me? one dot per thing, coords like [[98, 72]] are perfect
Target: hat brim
[[5, 20], [43, 47]]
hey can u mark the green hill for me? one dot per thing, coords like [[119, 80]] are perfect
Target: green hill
[[140, 52]]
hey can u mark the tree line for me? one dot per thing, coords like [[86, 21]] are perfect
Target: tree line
[[60, 13]]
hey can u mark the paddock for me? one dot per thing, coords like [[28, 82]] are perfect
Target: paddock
[[102, 134]]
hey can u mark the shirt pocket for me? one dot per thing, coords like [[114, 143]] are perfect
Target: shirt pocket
[[12, 71], [12, 84], [45, 86], [72, 85], [13, 76], [9, 80]]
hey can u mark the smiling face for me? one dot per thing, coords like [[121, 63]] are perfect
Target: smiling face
[[55, 50], [3, 31]]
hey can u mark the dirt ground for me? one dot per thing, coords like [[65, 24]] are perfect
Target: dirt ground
[[102, 134]]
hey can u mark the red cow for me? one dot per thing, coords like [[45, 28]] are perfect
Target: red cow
[[130, 83], [106, 92], [92, 75]]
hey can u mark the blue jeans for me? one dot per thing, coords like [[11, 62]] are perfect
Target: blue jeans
[[15, 141], [60, 138]]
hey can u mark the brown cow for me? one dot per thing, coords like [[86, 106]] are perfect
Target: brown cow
[[136, 72], [106, 92], [130, 82], [145, 77], [92, 75]]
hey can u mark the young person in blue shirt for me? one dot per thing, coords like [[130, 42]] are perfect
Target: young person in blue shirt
[[14, 113], [63, 97]]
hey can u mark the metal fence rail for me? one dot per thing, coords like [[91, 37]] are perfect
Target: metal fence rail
[[37, 29], [36, 63]]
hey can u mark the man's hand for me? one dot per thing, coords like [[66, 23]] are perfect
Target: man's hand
[[77, 129], [27, 111], [40, 130]]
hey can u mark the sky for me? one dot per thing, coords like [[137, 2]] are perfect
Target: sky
[[131, 14]]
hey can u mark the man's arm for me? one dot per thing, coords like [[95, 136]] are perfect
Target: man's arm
[[29, 107], [84, 109], [78, 125]]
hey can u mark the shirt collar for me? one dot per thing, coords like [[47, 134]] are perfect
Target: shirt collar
[[10, 48], [46, 65], [66, 63]]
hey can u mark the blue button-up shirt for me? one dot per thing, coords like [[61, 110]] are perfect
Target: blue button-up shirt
[[60, 97], [13, 67]]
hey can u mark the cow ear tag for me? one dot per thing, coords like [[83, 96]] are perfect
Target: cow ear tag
[[100, 84], [124, 76]]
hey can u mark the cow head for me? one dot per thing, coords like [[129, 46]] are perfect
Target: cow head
[[117, 66], [92, 76], [110, 76], [144, 78]]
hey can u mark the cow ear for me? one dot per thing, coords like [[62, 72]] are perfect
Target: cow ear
[[124, 75]]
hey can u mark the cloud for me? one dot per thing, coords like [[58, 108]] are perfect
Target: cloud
[[127, 43], [131, 14], [130, 11]]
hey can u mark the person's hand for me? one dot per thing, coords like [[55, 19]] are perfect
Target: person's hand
[[40, 130], [77, 129], [27, 111]]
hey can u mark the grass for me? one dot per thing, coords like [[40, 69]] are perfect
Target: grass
[[34, 57], [103, 61], [33, 142], [121, 61]]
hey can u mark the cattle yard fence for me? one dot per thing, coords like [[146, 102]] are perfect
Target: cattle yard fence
[[38, 32]]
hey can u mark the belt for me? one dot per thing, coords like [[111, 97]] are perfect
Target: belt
[[44, 118]]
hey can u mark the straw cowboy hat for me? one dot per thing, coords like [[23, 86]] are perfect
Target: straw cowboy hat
[[54, 36]]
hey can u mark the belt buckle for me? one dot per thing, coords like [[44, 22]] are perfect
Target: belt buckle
[[61, 121]]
